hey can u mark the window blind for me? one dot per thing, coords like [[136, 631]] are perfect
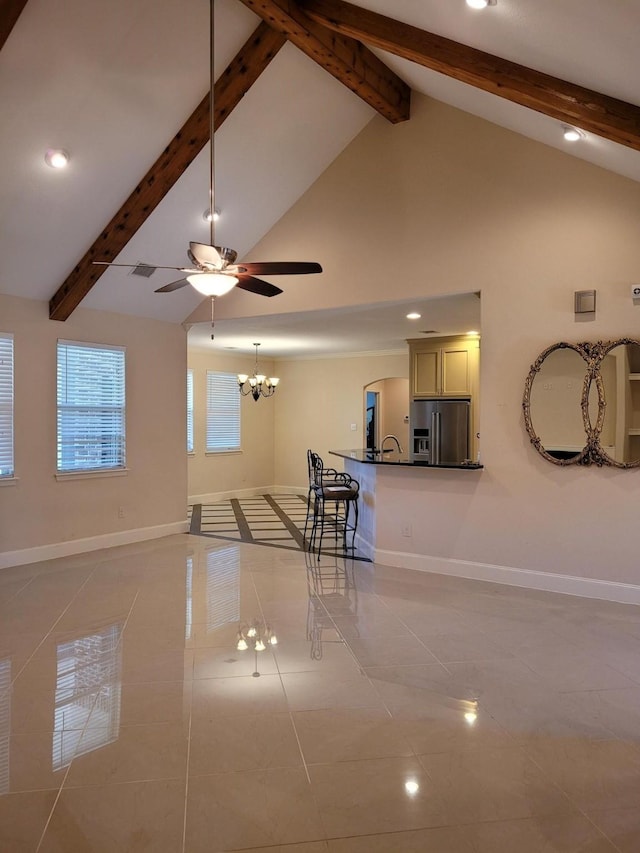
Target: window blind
[[189, 411], [223, 587], [5, 723], [6, 405], [88, 694], [91, 407], [223, 411]]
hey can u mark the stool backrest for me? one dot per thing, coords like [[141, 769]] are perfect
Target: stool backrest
[[316, 467]]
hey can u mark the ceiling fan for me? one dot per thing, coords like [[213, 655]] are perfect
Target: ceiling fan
[[215, 271]]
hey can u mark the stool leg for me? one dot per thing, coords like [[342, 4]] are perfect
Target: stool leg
[[355, 524], [314, 525], [306, 521]]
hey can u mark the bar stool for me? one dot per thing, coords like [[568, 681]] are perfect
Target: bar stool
[[334, 499]]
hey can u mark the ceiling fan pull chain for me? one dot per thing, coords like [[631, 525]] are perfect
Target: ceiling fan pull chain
[[213, 302]]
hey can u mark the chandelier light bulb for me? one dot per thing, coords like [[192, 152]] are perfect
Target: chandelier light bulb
[[242, 645], [260, 646], [56, 158], [207, 214], [273, 640], [251, 632]]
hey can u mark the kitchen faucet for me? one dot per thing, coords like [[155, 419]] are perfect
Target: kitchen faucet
[[394, 438]]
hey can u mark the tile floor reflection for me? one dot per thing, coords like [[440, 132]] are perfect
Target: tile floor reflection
[[398, 711]]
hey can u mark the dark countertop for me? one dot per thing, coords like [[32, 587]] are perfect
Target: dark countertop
[[392, 458]]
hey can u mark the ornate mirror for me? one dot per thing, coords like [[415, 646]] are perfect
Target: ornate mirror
[[560, 398], [618, 368], [582, 403]]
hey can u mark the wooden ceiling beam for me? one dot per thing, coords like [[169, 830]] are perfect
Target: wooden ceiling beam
[[344, 58], [230, 88], [10, 11], [590, 111]]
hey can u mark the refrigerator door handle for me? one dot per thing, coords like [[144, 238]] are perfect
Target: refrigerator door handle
[[435, 438]]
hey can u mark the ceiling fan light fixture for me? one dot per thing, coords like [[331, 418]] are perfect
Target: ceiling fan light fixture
[[56, 158], [212, 283]]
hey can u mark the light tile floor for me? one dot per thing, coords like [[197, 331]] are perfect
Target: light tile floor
[[399, 712]]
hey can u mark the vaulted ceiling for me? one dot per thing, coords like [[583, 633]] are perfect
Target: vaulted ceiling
[[124, 89]]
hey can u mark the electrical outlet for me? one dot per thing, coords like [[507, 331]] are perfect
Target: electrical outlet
[[120, 512], [406, 530]]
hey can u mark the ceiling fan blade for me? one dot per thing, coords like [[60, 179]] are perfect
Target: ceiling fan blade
[[205, 254], [281, 267], [256, 285], [174, 285]]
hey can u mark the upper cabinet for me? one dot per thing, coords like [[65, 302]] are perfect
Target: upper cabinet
[[444, 367]]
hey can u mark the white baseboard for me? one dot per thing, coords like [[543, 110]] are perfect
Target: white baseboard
[[623, 593], [92, 543], [214, 497]]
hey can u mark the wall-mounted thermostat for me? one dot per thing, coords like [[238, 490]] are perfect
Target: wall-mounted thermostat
[[585, 302]]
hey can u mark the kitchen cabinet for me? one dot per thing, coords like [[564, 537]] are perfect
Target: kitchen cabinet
[[444, 367]]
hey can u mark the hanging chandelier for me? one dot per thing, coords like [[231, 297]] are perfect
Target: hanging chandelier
[[257, 385]]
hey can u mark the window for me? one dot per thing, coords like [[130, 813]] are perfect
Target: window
[[189, 411], [91, 411], [6, 405], [223, 412]]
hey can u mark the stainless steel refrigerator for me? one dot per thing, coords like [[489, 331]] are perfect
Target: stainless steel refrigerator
[[439, 431]]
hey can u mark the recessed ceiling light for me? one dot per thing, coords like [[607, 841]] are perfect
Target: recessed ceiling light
[[572, 134], [56, 158], [207, 215], [414, 316], [481, 4]]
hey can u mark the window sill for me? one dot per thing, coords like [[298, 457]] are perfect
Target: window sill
[[90, 475], [222, 452], [8, 481]]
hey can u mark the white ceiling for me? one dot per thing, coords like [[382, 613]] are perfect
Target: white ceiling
[[113, 84]]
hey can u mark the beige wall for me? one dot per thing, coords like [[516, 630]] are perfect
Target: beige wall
[[39, 510], [448, 203], [318, 401], [214, 475]]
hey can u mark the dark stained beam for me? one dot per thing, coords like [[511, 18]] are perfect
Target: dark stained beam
[[230, 88], [566, 102], [10, 11], [344, 58]]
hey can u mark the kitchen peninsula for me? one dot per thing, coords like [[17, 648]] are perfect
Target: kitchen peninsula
[[387, 482], [375, 457]]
